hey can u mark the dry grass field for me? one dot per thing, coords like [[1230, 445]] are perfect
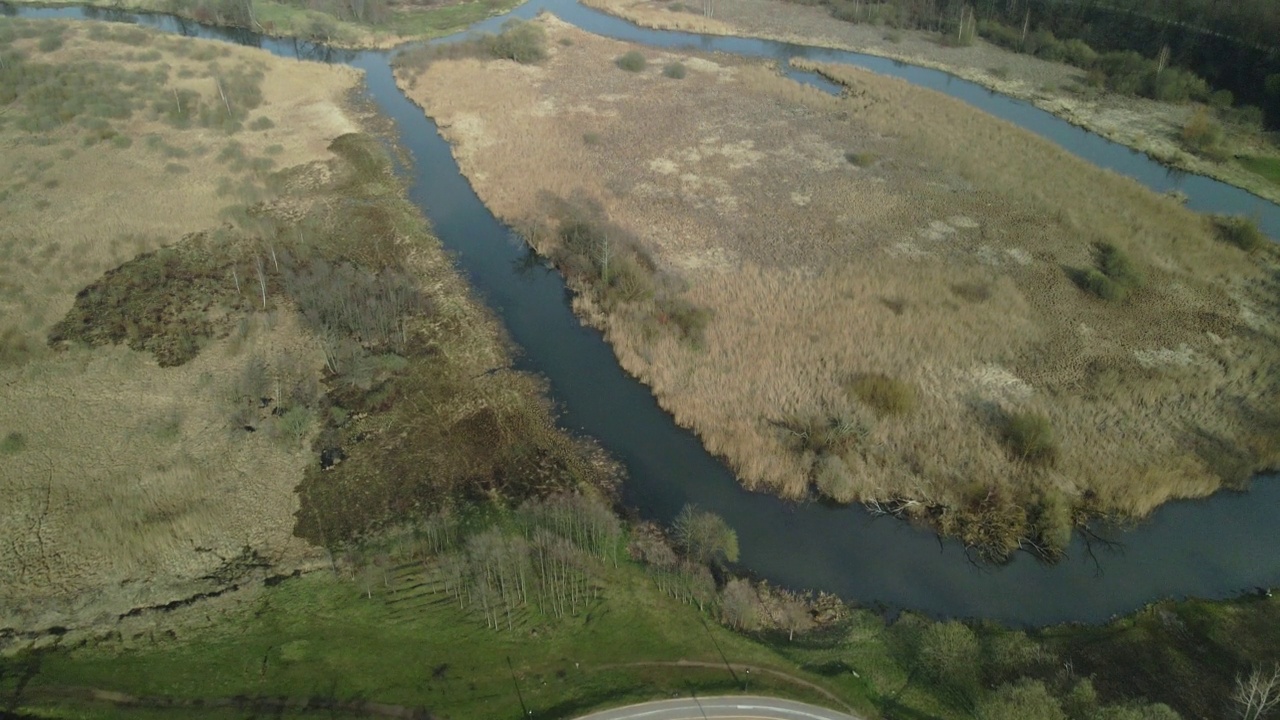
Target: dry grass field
[[122, 483], [1146, 125], [895, 284]]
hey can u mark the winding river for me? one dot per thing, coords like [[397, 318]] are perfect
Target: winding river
[[1214, 548]]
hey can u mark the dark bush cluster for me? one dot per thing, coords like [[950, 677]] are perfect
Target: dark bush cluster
[[632, 61], [1239, 231], [1115, 276]]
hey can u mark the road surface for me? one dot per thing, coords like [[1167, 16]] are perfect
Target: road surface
[[721, 708]]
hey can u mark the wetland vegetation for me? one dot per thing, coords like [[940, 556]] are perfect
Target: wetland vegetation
[[269, 455], [976, 409]]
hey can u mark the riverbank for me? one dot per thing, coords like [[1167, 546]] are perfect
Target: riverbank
[[977, 410], [384, 28], [387, 632], [1148, 126], [230, 343]]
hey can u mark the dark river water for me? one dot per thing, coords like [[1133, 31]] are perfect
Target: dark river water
[[1214, 548]]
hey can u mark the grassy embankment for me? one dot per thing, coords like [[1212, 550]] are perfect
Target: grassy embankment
[[378, 24], [413, 622], [212, 287], [836, 292], [1201, 136]]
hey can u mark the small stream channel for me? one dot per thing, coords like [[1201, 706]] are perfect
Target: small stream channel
[[1214, 548]]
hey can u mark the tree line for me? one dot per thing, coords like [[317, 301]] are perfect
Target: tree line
[[1231, 46]]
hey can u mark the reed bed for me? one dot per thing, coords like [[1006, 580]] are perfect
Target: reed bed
[[945, 264]]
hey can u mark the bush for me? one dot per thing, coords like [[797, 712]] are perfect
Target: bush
[[860, 159], [1053, 522], [689, 320], [1114, 277], [1030, 437], [13, 443], [834, 480], [674, 70], [884, 394], [523, 42], [633, 61], [1221, 99], [1176, 85], [1201, 134], [1125, 72], [1116, 265], [1078, 53], [1240, 231]]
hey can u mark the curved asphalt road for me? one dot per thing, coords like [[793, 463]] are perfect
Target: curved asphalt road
[[733, 707]]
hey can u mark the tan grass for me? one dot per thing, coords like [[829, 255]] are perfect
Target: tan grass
[[130, 487], [942, 265]]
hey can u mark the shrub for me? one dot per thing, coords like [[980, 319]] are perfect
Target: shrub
[[523, 42], [1240, 231], [1078, 53], [1221, 99], [1030, 437], [834, 480], [1126, 72], [294, 425], [633, 61], [13, 443], [1116, 265], [262, 123], [1248, 116], [860, 159], [1201, 134], [50, 42], [884, 394], [1053, 522], [591, 138], [688, 319], [674, 70], [1114, 277], [1176, 85]]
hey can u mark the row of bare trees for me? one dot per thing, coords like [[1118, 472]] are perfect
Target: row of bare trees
[[499, 576]]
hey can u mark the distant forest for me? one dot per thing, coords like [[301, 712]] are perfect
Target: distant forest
[[1234, 45]]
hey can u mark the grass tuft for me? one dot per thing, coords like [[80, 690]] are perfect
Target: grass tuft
[[886, 395], [1030, 437]]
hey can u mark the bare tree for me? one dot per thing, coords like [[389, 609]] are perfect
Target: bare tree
[[1257, 694], [795, 616], [740, 605], [262, 280]]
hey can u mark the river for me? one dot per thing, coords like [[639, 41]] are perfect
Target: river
[[1213, 548]]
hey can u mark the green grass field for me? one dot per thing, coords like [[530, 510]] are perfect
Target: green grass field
[[320, 637], [1267, 167]]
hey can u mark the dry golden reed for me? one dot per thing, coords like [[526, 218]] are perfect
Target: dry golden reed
[[946, 265]]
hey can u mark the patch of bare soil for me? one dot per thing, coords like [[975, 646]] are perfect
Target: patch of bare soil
[[891, 233], [1146, 125]]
